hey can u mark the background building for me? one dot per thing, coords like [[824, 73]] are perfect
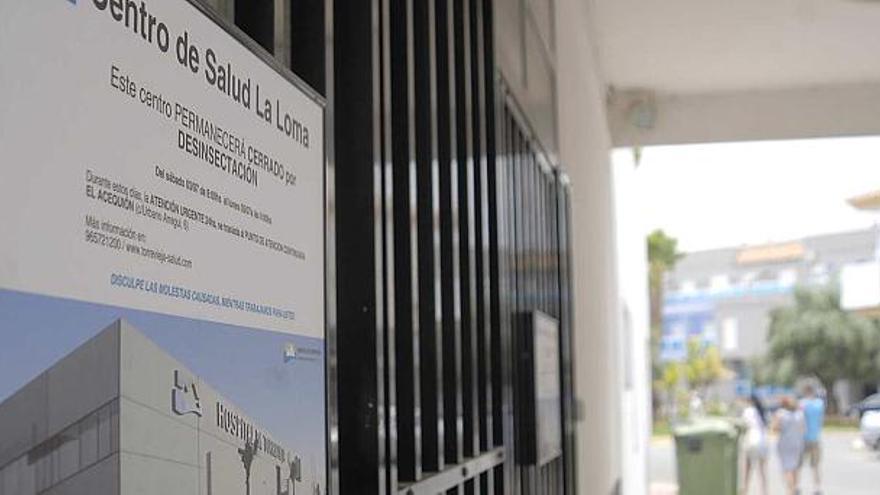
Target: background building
[[724, 297]]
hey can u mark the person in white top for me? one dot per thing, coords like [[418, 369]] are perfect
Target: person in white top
[[755, 443]]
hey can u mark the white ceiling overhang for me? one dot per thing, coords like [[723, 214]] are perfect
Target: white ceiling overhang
[[721, 70]]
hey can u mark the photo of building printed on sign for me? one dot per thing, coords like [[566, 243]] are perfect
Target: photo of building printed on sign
[[120, 414]]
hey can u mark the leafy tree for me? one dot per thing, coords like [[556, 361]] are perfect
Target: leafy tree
[[670, 377], [814, 337], [703, 366], [667, 381], [662, 256]]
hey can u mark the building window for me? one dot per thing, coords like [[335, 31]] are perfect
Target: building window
[[719, 283], [86, 442], [68, 453], [788, 277], [17, 478], [104, 441], [688, 287], [710, 335], [819, 274], [730, 334], [88, 434]]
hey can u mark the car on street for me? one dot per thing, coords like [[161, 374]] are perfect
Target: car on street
[[869, 426], [870, 403]]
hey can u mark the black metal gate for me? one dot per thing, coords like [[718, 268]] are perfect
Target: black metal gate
[[450, 221]]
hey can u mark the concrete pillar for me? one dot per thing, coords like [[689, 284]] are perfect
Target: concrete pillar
[[584, 151], [632, 270]]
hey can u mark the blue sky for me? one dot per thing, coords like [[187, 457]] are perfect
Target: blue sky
[[244, 365]]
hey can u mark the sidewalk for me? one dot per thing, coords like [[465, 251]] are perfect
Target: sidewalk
[[661, 488], [848, 469]]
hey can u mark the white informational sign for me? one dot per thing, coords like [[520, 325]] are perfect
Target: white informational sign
[[161, 256], [548, 395], [860, 286], [151, 161]]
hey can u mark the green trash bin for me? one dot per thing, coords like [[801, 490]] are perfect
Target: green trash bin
[[707, 455]]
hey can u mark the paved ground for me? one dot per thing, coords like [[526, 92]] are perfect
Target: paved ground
[[848, 469]]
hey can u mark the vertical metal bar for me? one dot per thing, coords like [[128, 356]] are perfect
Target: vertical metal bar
[[257, 19], [226, 8], [412, 217], [448, 189], [466, 226], [535, 186], [506, 293], [543, 231], [501, 290], [514, 200], [426, 216], [529, 479], [537, 247], [330, 344], [428, 227], [435, 230], [385, 420], [361, 341], [429, 238], [309, 37], [414, 239], [386, 178], [554, 244], [455, 184], [481, 252], [567, 328], [496, 133], [499, 278], [532, 227], [282, 31], [531, 273], [549, 252], [484, 192], [509, 264], [455, 196], [538, 191], [404, 237]]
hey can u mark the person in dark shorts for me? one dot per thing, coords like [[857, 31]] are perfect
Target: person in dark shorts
[[814, 416]]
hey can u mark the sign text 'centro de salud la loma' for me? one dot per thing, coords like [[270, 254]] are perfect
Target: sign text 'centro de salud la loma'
[[162, 257]]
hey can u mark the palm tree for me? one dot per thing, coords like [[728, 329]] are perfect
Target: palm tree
[[248, 453]]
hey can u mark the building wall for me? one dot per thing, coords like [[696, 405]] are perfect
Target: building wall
[[584, 147], [744, 322], [525, 33], [58, 436], [550, 43], [192, 453]]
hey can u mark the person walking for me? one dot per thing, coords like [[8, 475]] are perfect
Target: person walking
[[789, 423], [755, 443], [814, 416]]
